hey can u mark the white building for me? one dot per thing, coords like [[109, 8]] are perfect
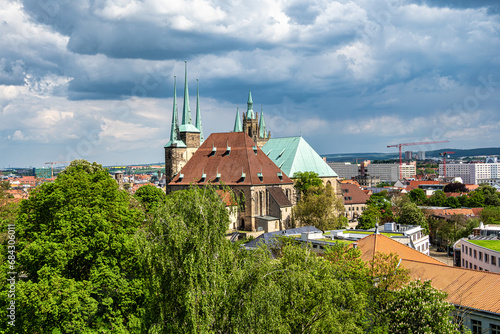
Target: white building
[[475, 255], [390, 172], [474, 173], [421, 155]]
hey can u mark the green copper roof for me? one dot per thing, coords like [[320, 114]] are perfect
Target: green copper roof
[[174, 131], [198, 113], [250, 112], [294, 154], [238, 126], [186, 125], [262, 125]]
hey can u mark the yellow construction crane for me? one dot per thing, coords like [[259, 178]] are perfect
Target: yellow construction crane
[[52, 166]]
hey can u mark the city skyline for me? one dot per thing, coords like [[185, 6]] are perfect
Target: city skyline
[[94, 80]]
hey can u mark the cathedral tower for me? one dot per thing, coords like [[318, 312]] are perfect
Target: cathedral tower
[[184, 139], [252, 125]]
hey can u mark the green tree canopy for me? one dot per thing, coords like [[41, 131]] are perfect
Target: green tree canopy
[[76, 247], [418, 196], [438, 198], [305, 180], [369, 218], [320, 207], [150, 196], [412, 215]]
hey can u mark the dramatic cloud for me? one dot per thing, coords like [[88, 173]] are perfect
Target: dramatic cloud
[[94, 79]]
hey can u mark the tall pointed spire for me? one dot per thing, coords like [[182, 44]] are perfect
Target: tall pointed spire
[[175, 139], [187, 125], [186, 111], [238, 127], [198, 113], [262, 124], [250, 112]]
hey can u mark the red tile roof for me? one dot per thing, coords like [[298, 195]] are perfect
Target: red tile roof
[[230, 155], [353, 194], [466, 287], [380, 243], [414, 184]]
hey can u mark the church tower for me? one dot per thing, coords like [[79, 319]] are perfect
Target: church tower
[[184, 139], [252, 125]]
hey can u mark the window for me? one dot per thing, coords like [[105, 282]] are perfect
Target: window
[[475, 254], [495, 329], [476, 326], [480, 256], [463, 262], [486, 258], [466, 264], [475, 267], [494, 260]]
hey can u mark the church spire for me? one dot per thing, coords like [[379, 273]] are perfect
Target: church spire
[[187, 125], [175, 139], [262, 124], [186, 111], [237, 122], [198, 113], [250, 113]]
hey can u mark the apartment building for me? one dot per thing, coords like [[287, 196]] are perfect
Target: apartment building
[[474, 173]]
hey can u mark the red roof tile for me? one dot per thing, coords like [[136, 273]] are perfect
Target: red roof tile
[[353, 194], [230, 155]]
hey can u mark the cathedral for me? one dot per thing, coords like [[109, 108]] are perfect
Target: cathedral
[[186, 138], [252, 125]]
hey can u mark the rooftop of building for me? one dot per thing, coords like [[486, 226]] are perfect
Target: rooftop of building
[[465, 287], [353, 194], [231, 158], [294, 154]]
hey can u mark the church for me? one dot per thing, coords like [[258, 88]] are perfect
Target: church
[[234, 159], [237, 160]]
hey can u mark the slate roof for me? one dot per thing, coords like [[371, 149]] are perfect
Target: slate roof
[[279, 196], [294, 154], [469, 288], [226, 157]]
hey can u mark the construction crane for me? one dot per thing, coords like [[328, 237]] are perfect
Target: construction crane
[[444, 154], [52, 166], [411, 144]]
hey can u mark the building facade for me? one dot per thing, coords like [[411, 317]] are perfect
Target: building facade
[[477, 256], [234, 160], [345, 170], [474, 173]]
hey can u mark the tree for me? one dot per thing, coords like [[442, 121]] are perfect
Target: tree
[[452, 202], [412, 215], [438, 198], [455, 187], [150, 196], [418, 196], [369, 218], [306, 180], [490, 215], [381, 201], [320, 207], [419, 308], [490, 195], [76, 248], [476, 199]]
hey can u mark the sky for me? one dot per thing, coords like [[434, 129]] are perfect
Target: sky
[[93, 79]]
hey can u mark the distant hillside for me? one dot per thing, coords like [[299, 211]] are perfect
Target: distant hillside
[[348, 157]]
